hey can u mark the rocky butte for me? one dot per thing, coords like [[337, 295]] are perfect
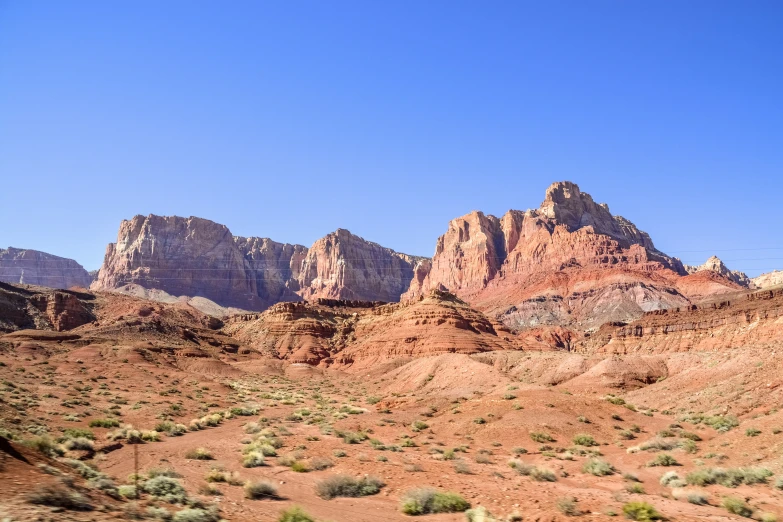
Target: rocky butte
[[570, 262], [39, 268], [197, 257]]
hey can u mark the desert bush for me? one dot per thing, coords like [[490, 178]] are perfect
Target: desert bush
[[626, 435], [671, 479], [541, 437], [641, 511], [260, 490], [779, 483], [199, 454], [423, 501], [76, 433], [79, 443], [104, 423], [768, 517], [658, 445], [543, 475], [295, 514], [598, 467], [583, 439], [150, 436], [664, 459], [520, 467], [166, 488], [699, 498], [635, 488], [419, 425], [196, 514], [347, 486], [127, 491], [690, 436], [736, 506], [300, 467], [253, 459], [320, 464], [59, 496], [171, 429], [688, 446], [752, 432], [567, 506], [731, 477], [218, 475], [350, 437], [44, 445]]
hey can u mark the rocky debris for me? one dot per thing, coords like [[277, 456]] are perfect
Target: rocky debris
[[31, 267], [770, 279], [714, 264], [196, 257], [30, 307], [319, 334]]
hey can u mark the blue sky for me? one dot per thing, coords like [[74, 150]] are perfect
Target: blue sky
[[291, 119]]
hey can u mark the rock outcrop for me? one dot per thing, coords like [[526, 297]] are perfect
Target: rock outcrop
[[199, 258], [571, 262], [770, 279], [31, 307], [342, 265], [714, 264], [746, 320], [20, 266], [344, 333]]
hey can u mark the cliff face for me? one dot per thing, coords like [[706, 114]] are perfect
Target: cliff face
[[569, 262], [182, 256], [39, 268], [197, 257], [344, 266]]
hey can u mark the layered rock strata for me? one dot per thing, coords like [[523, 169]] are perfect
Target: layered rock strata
[[20, 266]]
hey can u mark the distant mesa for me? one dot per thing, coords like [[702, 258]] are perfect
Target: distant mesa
[[197, 257], [23, 266]]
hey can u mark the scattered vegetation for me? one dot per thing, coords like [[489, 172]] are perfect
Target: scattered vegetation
[[347, 486], [424, 501]]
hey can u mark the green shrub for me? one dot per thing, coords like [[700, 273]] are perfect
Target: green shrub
[[346, 486], [75, 433], [736, 506], [664, 459], [127, 491], [731, 477], [199, 454], [196, 514], [635, 488], [260, 490], [543, 475], [583, 439], [79, 443], [752, 432], [295, 514], [419, 425], [671, 479], [253, 459], [541, 437], [598, 467], [423, 501], [166, 488], [60, 497], [300, 467], [641, 511], [44, 445], [104, 423]]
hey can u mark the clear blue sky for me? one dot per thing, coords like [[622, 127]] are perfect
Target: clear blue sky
[[291, 119]]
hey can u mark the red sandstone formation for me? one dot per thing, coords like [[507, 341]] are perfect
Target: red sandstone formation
[[571, 262], [343, 332]]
